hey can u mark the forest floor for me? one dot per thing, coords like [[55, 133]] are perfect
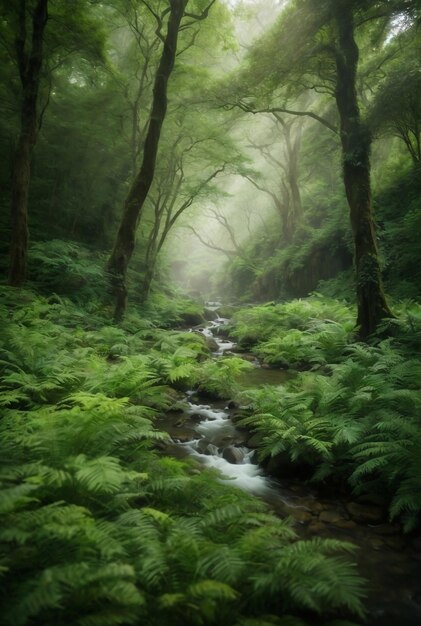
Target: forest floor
[[389, 560], [107, 520]]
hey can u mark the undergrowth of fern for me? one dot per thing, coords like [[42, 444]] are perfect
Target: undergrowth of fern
[[98, 528], [356, 418]]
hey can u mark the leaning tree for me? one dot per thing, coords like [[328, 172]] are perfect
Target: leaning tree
[[177, 18]]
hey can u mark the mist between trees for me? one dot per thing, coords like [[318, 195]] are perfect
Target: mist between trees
[[158, 154]]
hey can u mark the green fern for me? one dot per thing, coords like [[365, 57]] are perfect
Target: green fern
[[98, 529], [360, 421], [219, 377]]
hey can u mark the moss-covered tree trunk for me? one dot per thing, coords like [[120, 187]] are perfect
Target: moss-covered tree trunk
[[29, 55], [126, 236], [356, 145]]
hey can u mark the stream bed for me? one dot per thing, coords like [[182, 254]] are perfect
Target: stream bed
[[390, 561]]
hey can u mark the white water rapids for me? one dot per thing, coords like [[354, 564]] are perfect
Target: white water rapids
[[216, 428], [207, 449]]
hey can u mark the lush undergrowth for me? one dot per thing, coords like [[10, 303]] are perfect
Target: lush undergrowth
[[76, 271], [98, 526], [355, 417], [299, 333]]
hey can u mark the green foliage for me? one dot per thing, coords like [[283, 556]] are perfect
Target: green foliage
[[324, 343], [396, 107], [314, 331], [64, 267], [96, 527], [177, 358], [398, 207], [341, 287], [217, 378], [360, 422], [319, 249], [172, 309], [250, 326]]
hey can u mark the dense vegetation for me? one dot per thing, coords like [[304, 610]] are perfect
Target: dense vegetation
[[354, 417], [97, 528], [158, 155]]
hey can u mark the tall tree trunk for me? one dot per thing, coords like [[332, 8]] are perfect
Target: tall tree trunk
[[30, 65], [125, 241], [283, 205], [148, 277], [293, 145], [356, 145]]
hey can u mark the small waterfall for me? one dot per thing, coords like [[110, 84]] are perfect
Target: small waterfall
[[235, 463], [211, 331]]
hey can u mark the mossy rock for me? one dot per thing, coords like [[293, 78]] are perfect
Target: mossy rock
[[210, 315], [227, 310], [211, 393], [192, 318]]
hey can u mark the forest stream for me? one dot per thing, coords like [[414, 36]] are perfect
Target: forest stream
[[166, 460], [387, 559]]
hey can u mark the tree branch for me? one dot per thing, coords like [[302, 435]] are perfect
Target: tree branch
[[203, 15], [209, 244], [194, 195], [245, 107], [159, 19], [270, 193]]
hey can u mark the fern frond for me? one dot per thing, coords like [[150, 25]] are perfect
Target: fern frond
[[15, 497], [171, 600], [221, 515], [224, 563], [159, 516], [179, 372], [102, 475], [212, 589]]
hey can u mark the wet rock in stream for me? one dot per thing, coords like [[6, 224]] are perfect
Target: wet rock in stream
[[191, 318], [366, 513], [316, 527], [210, 314], [247, 356], [346, 524], [202, 446], [331, 516], [396, 543], [233, 454], [195, 417], [281, 467], [182, 437]]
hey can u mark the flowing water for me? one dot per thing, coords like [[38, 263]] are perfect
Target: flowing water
[[390, 562]]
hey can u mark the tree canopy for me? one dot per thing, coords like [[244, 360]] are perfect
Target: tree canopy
[[210, 312]]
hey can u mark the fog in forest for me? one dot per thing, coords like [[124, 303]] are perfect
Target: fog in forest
[[210, 316]]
